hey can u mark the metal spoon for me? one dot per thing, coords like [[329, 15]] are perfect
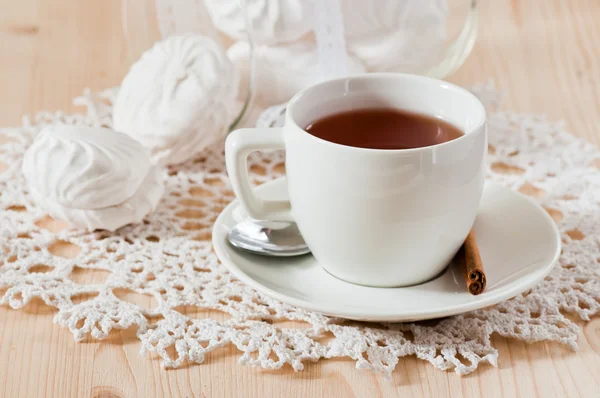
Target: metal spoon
[[268, 238]]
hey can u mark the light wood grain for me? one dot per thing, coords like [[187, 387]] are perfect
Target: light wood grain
[[544, 54]]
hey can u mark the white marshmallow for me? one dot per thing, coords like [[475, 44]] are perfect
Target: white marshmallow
[[271, 21], [178, 98], [395, 36], [283, 70], [91, 177]]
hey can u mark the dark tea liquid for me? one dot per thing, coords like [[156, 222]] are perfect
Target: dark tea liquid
[[383, 129]]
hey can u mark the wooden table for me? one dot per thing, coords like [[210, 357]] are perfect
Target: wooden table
[[544, 54]]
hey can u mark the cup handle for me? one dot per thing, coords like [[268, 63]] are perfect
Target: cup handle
[[238, 146]]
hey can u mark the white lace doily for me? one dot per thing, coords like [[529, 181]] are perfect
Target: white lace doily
[[169, 257]]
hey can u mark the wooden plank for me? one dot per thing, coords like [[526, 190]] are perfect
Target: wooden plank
[[545, 55]]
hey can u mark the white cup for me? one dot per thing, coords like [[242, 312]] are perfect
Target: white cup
[[373, 217]]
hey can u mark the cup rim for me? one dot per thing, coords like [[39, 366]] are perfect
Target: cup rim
[[382, 76]]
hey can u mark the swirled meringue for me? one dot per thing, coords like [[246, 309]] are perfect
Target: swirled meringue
[[282, 70], [91, 177], [178, 98], [85, 167], [271, 21], [395, 36]]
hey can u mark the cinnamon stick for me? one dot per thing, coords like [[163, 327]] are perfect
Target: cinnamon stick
[[469, 260]]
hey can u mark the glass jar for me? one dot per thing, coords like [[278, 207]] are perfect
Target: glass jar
[[281, 46]]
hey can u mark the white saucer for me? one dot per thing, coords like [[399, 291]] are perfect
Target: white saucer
[[518, 241]]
